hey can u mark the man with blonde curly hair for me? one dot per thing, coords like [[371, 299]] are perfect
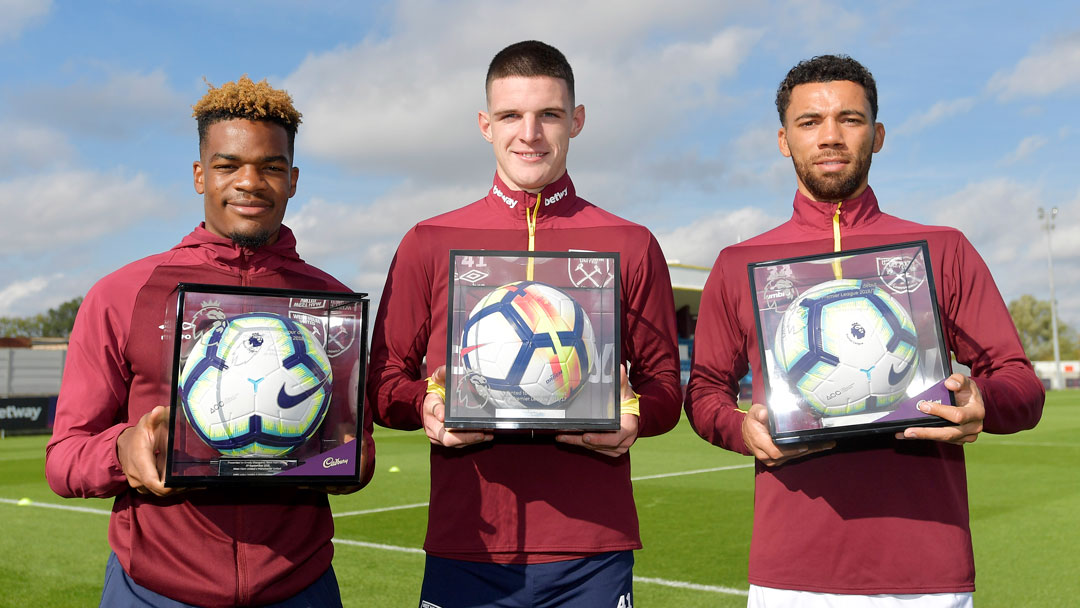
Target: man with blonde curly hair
[[217, 547]]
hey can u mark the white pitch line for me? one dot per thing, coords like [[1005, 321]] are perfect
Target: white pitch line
[[67, 507], [360, 543], [643, 477], [49, 505], [412, 550], [381, 510], [694, 586], [663, 475], [637, 579]]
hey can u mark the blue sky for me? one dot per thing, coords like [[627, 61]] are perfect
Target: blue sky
[[979, 102]]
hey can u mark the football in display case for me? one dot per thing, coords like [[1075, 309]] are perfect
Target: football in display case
[[267, 386], [850, 342], [533, 341]]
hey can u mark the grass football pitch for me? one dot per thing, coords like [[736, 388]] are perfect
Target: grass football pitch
[[695, 503]]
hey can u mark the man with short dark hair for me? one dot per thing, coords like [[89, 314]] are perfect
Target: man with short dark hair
[[876, 520], [518, 520], [221, 547]]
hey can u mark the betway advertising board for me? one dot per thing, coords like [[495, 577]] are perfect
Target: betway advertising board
[[26, 413]]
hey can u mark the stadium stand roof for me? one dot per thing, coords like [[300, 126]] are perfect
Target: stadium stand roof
[[687, 281]]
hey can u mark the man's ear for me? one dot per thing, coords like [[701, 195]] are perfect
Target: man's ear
[[484, 122], [197, 175], [781, 142], [879, 136], [578, 116]]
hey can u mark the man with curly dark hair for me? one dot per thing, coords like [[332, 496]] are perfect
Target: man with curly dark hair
[[217, 547], [878, 520]]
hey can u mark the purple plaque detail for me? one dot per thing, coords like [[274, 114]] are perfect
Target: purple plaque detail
[[908, 409], [338, 461]]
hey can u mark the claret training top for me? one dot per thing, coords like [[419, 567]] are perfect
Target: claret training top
[[205, 547], [874, 515], [515, 500]]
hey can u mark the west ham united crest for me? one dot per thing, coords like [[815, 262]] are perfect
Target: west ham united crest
[[591, 272], [339, 336], [901, 274]]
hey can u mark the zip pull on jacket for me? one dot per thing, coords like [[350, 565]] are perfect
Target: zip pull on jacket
[[530, 221], [837, 269], [556, 199], [846, 218]]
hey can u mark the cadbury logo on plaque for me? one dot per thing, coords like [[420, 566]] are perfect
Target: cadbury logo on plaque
[[333, 462]]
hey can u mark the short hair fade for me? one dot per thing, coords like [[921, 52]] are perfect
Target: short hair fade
[[827, 68], [530, 58], [246, 100]]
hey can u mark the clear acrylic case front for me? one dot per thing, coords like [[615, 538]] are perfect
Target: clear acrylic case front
[[850, 342], [533, 341], [267, 386]]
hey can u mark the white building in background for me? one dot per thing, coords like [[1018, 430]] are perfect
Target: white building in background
[[1069, 369]]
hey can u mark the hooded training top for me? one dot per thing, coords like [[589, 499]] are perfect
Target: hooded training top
[[204, 547], [874, 515], [513, 499]]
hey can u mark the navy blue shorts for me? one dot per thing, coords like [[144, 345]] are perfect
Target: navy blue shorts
[[122, 592], [600, 581]]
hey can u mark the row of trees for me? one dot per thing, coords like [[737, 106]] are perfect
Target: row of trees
[[56, 323], [1031, 316], [1033, 322]]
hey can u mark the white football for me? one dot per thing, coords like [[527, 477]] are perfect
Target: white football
[[256, 384], [847, 347]]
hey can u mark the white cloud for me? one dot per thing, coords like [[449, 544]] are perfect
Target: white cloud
[[990, 213], [407, 104], [815, 26], [1048, 69], [700, 242], [112, 106], [70, 207], [356, 242], [758, 143], [33, 293], [1026, 147], [19, 15], [757, 162], [11, 294], [644, 97], [935, 114], [29, 148], [1065, 240], [1066, 231], [999, 218], [686, 167]]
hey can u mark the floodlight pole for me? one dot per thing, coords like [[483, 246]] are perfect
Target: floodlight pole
[[1058, 381]]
